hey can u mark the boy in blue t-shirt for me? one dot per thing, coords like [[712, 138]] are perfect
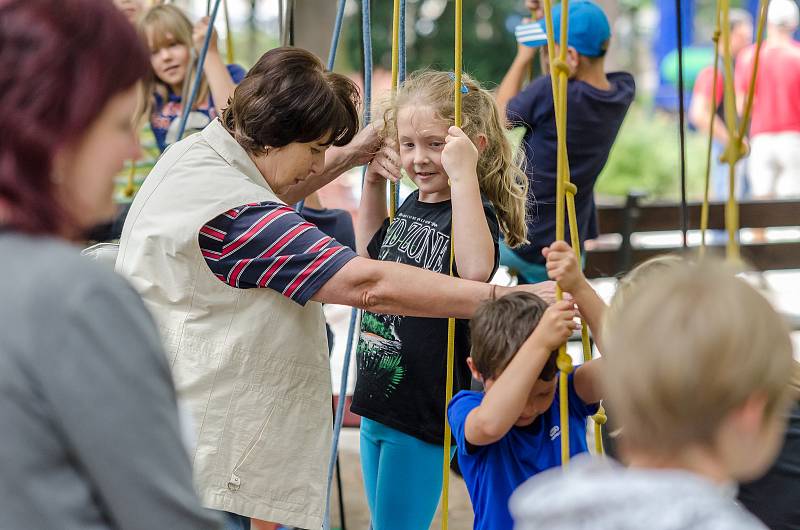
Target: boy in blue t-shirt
[[511, 431], [597, 103]]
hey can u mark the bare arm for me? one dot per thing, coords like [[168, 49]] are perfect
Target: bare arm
[[516, 76], [397, 289], [508, 394], [338, 160], [472, 239], [219, 79], [562, 266], [372, 209], [394, 288], [699, 112]]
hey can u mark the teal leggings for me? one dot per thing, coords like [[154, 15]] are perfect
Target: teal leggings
[[402, 477]]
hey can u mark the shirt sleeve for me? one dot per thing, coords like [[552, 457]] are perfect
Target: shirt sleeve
[[743, 71], [236, 72], [457, 411], [576, 404], [270, 245], [106, 380], [704, 83], [494, 230]]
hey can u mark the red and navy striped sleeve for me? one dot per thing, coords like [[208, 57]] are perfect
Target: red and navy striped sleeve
[[270, 245]]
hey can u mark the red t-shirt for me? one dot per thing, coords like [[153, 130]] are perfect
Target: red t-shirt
[[704, 81], [776, 103]]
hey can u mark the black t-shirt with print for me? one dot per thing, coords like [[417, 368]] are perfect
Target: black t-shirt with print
[[402, 361]]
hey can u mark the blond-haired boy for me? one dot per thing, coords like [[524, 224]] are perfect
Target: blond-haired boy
[[699, 376]]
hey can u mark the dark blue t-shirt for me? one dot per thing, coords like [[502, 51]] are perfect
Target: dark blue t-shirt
[[594, 117], [162, 118], [492, 472]]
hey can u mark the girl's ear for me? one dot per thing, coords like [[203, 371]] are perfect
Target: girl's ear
[[481, 142]]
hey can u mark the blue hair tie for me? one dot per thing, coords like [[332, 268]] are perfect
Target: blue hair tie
[[464, 89]]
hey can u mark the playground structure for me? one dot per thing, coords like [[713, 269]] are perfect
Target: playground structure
[[633, 217]]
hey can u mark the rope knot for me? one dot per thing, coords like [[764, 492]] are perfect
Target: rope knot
[[734, 151], [600, 417], [571, 188], [564, 362], [560, 67]]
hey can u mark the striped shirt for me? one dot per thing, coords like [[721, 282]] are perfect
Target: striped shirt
[[270, 245]]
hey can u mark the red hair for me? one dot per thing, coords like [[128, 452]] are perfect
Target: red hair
[[61, 61]]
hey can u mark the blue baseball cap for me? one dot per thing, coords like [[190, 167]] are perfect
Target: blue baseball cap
[[588, 30]]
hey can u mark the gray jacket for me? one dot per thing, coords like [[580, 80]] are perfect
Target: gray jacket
[[598, 494], [89, 436]]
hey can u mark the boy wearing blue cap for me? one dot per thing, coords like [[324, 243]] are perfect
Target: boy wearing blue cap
[[597, 103]]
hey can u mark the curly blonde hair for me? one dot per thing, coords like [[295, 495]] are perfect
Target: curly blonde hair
[[501, 176]]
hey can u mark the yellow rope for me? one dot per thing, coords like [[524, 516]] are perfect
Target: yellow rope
[[129, 189], [228, 35], [704, 209], [559, 73], [395, 78], [734, 150], [451, 322]]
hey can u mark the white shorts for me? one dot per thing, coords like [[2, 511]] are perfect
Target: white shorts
[[773, 168]]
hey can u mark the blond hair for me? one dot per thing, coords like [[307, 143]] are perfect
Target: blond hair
[[688, 347], [500, 167], [155, 25]]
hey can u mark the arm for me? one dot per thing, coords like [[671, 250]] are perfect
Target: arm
[[397, 289], [507, 396], [110, 390], [219, 79], [372, 209], [338, 160], [562, 266], [699, 112], [472, 240], [516, 76]]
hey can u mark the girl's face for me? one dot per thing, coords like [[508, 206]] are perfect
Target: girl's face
[[130, 8], [84, 169], [421, 135], [170, 60]]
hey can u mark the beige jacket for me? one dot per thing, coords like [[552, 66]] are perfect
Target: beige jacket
[[252, 364]]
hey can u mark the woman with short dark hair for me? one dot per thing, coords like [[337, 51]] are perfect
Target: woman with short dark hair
[[90, 434], [235, 278]]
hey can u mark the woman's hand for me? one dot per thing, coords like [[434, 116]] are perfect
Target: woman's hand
[[385, 165], [199, 36], [459, 157]]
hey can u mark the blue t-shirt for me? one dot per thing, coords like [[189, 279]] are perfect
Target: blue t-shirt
[[594, 117], [164, 113], [492, 472]]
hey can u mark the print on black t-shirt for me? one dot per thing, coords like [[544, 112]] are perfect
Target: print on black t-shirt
[[402, 360]]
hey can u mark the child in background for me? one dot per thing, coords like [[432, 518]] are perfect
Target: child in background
[[469, 179], [132, 9], [699, 377], [511, 431], [597, 103], [174, 47]]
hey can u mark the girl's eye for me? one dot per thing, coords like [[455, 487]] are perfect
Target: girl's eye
[[437, 144], [408, 145]]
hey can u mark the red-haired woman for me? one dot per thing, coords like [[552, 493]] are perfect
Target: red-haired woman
[[87, 407]]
